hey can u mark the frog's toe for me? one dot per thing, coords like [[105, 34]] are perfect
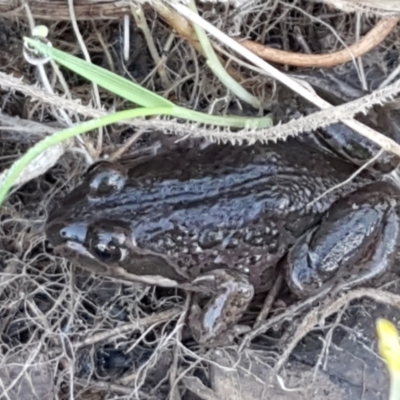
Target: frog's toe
[[231, 295]]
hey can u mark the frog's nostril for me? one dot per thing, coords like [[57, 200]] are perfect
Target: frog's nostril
[[75, 232], [59, 233]]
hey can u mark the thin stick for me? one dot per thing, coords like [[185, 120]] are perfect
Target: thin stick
[[361, 71], [121, 150], [287, 314], [127, 37], [262, 316], [349, 179], [43, 76], [372, 39], [138, 14], [88, 59], [139, 324]]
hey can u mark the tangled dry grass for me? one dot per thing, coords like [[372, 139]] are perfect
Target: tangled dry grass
[[68, 334]]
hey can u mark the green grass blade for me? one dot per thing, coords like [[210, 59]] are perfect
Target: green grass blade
[[216, 66], [104, 78], [138, 95], [19, 165]]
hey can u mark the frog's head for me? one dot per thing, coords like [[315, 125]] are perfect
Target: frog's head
[[92, 227]]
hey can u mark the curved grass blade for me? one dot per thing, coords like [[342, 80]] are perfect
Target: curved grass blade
[[139, 95], [104, 78], [19, 165]]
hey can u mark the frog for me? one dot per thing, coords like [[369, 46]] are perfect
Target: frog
[[221, 221]]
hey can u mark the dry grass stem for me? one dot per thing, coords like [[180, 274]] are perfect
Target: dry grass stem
[[86, 54], [271, 297], [141, 23], [349, 179], [156, 318]]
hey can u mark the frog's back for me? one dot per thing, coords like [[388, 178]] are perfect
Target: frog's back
[[243, 181], [226, 203]]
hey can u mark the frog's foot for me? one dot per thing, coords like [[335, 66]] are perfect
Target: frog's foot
[[356, 242], [214, 323]]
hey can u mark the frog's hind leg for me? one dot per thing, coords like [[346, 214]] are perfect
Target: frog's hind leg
[[231, 294], [355, 243]]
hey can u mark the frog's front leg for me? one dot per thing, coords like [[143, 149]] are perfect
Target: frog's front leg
[[231, 295], [356, 242]]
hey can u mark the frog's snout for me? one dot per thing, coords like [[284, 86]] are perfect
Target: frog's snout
[[59, 233]]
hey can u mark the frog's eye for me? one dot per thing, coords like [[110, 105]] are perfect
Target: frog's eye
[[105, 179], [106, 183], [107, 253], [107, 250]]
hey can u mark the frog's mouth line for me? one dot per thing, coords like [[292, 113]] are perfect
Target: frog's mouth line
[[80, 249], [117, 272]]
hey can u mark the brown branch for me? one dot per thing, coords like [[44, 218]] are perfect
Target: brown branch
[[58, 10], [372, 39]]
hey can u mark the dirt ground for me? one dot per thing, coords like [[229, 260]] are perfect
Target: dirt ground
[[69, 334]]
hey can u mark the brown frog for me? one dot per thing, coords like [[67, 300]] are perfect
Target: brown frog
[[218, 220]]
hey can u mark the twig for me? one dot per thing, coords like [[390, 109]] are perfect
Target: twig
[[370, 7], [278, 319], [87, 58], [393, 75], [127, 36], [349, 179], [25, 125], [372, 39], [174, 391], [279, 132], [109, 387], [121, 149], [40, 165], [43, 76], [181, 25], [307, 324], [104, 47], [327, 343], [139, 324], [361, 71], [28, 362], [269, 301], [138, 14]]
